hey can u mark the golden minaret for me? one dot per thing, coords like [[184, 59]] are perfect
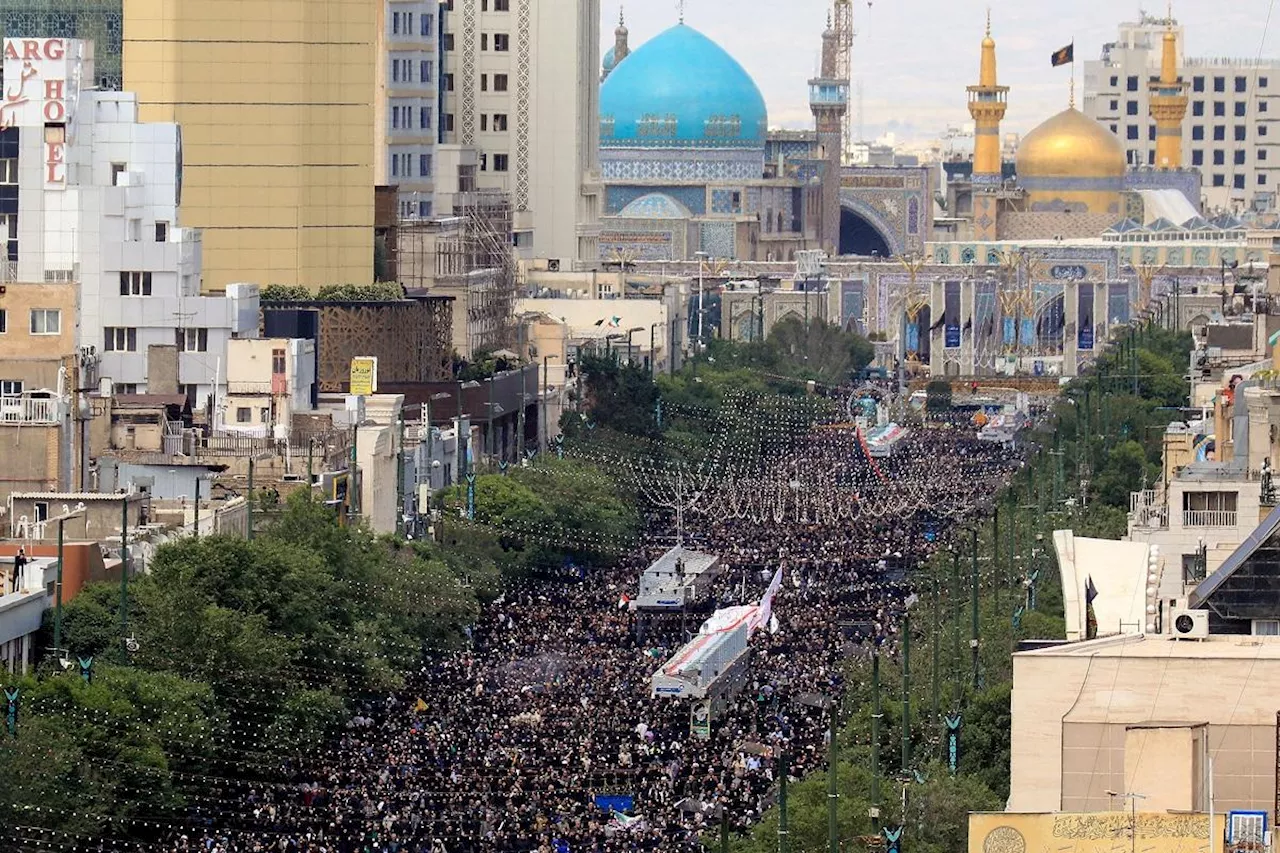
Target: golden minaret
[[987, 103], [1169, 103]]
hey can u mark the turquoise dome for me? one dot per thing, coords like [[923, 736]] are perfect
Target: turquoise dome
[[609, 62], [681, 90]]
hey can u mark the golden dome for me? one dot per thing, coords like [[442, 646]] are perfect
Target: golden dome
[[1071, 145]]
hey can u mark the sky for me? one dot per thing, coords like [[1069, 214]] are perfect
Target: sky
[[913, 58]]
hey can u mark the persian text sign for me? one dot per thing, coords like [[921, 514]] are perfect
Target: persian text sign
[[364, 376]]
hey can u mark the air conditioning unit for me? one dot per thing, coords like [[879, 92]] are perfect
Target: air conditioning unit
[[1190, 624]]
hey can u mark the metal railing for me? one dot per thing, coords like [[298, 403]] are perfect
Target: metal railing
[[28, 410], [1209, 517], [1146, 511]]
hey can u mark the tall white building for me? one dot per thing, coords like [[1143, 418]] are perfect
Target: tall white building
[[407, 103], [521, 86], [97, 203], [1231, 132]]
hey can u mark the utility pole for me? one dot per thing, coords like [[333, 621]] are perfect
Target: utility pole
[[875, 738], [783, 771], [973, 643], [833, 795], [724, 829], [57, 612], [248, 504], [906, 689], [935, 631], [995, 553], [124, 574], [400, 462], [956, 610]]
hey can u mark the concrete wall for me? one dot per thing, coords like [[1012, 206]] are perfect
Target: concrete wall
[[1104, 832], [30, 458]]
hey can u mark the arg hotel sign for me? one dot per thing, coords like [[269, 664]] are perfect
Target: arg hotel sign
[[41, 88]]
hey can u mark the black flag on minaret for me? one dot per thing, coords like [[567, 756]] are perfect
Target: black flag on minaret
[[1064, 56]]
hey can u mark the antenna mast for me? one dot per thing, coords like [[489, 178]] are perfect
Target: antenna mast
[[843, 25]]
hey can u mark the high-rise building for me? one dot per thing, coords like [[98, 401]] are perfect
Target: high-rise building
[[406, 109], [1231, 133], [275, 99], [520, 85], [98, 21]]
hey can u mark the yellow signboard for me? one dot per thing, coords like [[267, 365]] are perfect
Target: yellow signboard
[[364, 375]]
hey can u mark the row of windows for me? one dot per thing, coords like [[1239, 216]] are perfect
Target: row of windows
[[1240, 133], [499, 122], [1197, 83], [501, 42], [402, 71], [402, 166], [409, 208], [500, 162], [125, 339], [402, 24], [499, 83], [44, 321], [402, 117], [1239, 108]]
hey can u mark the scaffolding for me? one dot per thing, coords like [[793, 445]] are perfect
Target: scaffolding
[[468, 256]]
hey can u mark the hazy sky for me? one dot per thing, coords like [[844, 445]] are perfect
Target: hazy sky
[[914, 57]]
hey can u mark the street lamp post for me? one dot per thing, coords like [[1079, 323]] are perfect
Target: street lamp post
[[653, 352]]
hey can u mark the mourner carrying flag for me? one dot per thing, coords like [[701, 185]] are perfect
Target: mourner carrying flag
[[1064, 56]]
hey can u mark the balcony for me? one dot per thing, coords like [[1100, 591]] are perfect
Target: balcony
[[1147, 510], [28, 410], [1209, 518]]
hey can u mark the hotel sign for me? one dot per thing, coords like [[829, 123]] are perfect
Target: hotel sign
[[41, 87]]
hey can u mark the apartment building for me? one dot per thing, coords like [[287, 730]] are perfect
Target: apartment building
[[1230, 133], [520, 85], [407, 105]]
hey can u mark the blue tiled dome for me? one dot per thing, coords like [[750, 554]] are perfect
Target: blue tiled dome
[[681, 90]]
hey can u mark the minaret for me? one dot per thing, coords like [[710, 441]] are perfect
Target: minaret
[[987, 103], [620, 48], [829, 99], [1169, 103]]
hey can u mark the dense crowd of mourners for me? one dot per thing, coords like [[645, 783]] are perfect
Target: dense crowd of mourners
[[550, 707]]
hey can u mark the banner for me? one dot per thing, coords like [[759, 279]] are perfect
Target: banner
[[766, 603], [700, 720], [614, 802]]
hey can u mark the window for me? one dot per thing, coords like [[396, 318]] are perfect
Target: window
[[42, 510], [1262, 130], [1131, 108], [1218, 158], [424, 71], [190, 392], [1219, 181], [1262, 180], [1219, 108], [46, 321], [243, 414], [499, 162], [125, 388], [1115, 81], [4, 321], [1219, 84], [1238, 183], [192, 340], [1241, 84], [135, 284], [1197, 157], [1262, 106], [1242, 133], [428, 24], [424, 118], [277, 362], [1197, 131], [424, 165], [448, 41], [9, 171], [484, 121], [424, 208], [499, 82], [116, 170], [1262, 155], [1266, 627], [499, 121], [484, 82], [1219, 133], [1115, 105], [1151, 157], [1132, 84], [484, 41], [484, 162], [115, 339], [1113, 129], [1197, 84], [1151, 133], [501, 42], [446, 82], [1240, 108], [502, 5], [1131, 131], [395, 23], [1262, 82], [1197, 108], [1239, 158], [10, 387], [447, 121], [162, 232]]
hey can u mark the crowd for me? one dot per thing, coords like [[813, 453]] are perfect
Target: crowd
[[504, 748]]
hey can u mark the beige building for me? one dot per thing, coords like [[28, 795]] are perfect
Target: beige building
[[268, 381], [1144, 714], [275, 101]]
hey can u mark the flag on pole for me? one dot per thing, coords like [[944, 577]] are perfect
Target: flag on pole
[[1064, 55]]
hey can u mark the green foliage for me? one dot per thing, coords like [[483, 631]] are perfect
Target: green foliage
[[483, 364], [378, 291]]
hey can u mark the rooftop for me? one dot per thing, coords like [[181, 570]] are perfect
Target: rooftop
[[1160, 646]]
